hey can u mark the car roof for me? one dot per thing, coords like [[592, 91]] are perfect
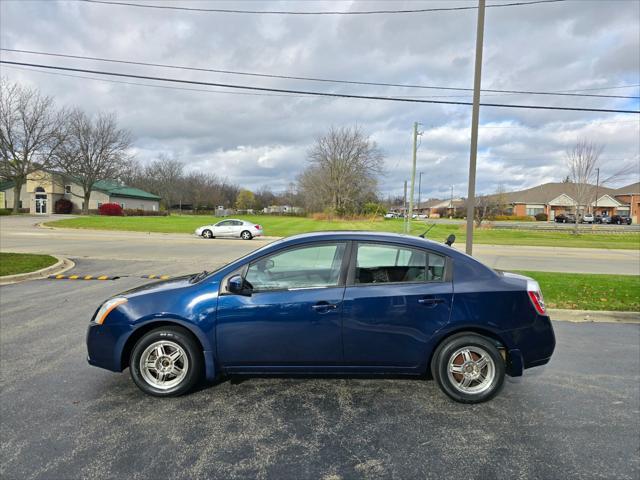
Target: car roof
[[364, 235]]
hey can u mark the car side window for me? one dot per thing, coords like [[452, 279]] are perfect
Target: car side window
[[236, 223], [378, 263], [224, 223], [303, 267]]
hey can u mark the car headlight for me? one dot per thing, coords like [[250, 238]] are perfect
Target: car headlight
[[107, 307]]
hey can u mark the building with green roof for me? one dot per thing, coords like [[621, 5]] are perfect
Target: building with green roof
[[44, 188]]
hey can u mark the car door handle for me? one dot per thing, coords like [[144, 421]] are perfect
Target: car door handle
[[430, 301], [323, 307]]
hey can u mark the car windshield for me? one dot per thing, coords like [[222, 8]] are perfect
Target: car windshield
[[199, 277]]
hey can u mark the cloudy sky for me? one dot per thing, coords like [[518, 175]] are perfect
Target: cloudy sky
[[588, 46]]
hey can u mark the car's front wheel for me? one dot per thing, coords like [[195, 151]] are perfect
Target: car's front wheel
[[468, 368], [207, 234], [246, 235], [166, 362]]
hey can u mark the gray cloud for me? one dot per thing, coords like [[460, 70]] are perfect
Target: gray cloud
[[262, 140]]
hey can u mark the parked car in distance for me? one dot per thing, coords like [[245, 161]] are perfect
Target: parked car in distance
[[391, 215], [330, 303], [565, 218], [603, 219], [621, 219], [230, 228], [588, 218]]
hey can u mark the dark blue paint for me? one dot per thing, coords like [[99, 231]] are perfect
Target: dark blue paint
[[346, 329]]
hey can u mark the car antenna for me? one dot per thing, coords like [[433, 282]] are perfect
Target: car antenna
[[424, 234]]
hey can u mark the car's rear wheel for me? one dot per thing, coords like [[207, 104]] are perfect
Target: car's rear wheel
[[166, 362], [468, 368], [207, 234], [246, 235]]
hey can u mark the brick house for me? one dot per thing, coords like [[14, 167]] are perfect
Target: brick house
[[556, 198]]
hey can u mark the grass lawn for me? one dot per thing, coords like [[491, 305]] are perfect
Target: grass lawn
[[280, 226], [14, 263], [578, 291]]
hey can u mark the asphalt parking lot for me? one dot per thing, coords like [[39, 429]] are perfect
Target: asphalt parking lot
[[64, 419]]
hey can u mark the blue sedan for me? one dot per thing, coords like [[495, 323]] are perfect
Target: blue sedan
[[330, 302]]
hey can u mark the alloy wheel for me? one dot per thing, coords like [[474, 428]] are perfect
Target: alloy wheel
[[471, 370], [164, 364]]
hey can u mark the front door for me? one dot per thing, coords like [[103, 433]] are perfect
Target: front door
[[41, 204], [292, 317], [396, 298], [222, 229]]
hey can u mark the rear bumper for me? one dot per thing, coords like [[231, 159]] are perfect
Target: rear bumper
[[532, 346]]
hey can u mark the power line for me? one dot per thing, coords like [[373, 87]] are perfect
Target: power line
[[172, 87], [314, 93], [328, 12], [313, 79], [168, 87]]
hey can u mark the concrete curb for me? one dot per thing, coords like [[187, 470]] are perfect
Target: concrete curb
[[593, 316], [62, 265]]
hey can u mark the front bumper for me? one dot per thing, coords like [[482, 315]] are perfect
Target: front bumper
[[105, 344]]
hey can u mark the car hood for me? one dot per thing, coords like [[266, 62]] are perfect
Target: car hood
[[163, 285]]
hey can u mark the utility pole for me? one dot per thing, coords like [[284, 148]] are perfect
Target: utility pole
[[597, 184], [413, 175], [419, 189], [475, 115], [451, 202], [404, 208]]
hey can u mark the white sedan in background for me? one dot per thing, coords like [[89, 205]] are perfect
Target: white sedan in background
[[230, 228]]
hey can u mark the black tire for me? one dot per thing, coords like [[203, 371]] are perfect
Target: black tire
[[207, 234], [443, 355], [246, 235], [175, 335]]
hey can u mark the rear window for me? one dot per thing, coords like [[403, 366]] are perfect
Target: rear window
[[378, 263]]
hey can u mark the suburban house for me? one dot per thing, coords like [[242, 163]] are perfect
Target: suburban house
[[43, 188], [556, 198]]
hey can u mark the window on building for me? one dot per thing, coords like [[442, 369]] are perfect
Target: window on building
[[534, 211], [67, 189], [99, 204]]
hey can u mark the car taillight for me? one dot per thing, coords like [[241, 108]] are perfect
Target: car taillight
[[535, 295], [258, 227]]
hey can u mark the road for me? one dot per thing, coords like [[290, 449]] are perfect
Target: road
[[170, 251], [64, 419]]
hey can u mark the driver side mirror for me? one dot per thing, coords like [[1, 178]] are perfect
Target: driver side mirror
[[238, 286]]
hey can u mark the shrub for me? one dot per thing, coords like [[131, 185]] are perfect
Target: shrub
[[138, 212], [518, 218], [5, 211], [541, 217], [63, 205], [110, 209]]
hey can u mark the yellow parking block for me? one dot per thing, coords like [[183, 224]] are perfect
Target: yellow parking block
[[103, 277]]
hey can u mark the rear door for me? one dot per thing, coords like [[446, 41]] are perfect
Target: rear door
[[396, 298]]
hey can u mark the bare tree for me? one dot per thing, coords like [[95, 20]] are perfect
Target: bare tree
[[486, 207], [582, 161], [342, 173], [93, 150], [164, 176], [30, 133]]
